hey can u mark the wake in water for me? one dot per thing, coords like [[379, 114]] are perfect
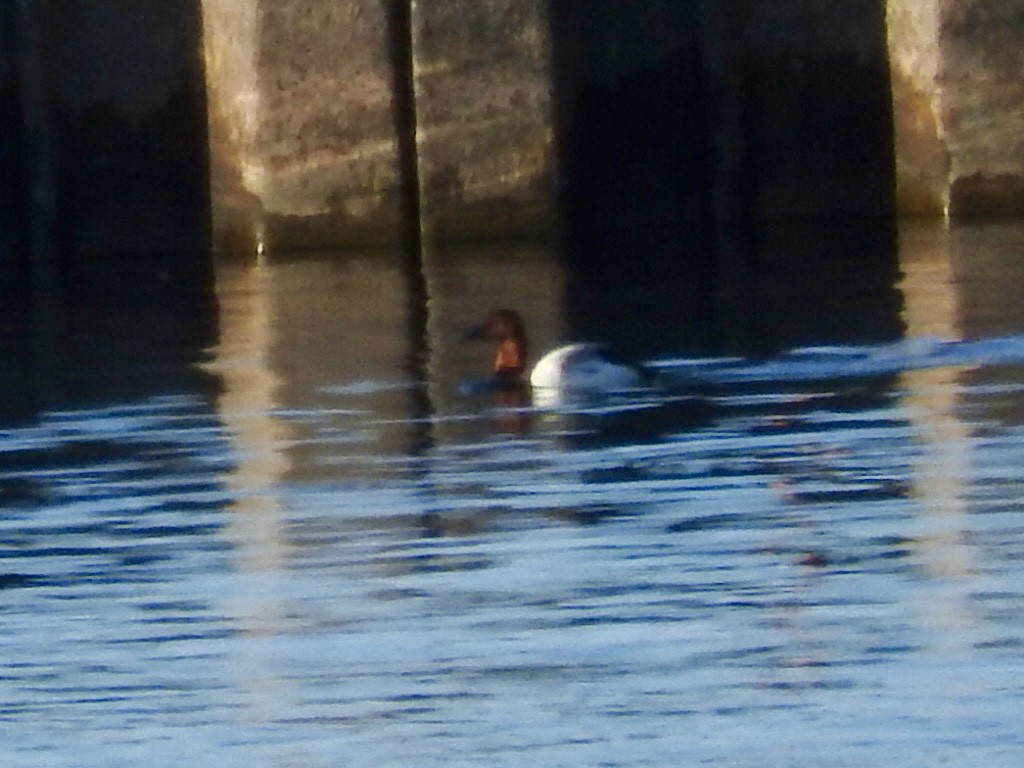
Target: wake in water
[[839, 362]]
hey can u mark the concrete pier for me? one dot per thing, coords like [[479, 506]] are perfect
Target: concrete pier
[[134, 126], [334, 123], [959, 106], [485, 141], [303, 123], [355, 122]]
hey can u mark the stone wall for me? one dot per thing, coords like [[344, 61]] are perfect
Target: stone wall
[[483, 117], [922, 157], [327, 118], [638, 123]]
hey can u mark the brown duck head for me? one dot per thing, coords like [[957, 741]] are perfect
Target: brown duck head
[[505, 328]]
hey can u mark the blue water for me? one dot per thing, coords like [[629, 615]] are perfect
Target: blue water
[[300, 542]]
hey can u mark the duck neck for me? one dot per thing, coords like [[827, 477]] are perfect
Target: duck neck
[[511, 359]]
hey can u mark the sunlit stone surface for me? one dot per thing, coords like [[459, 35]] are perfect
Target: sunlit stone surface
[[959, 102], [302, 121], [485, 139]]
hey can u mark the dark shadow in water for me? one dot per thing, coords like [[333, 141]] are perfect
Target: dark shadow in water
[[112, 268], [659, 419], [63, 357], [808, 283], [799, 285]]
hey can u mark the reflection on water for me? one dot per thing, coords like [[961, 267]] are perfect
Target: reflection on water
[[277, 544]]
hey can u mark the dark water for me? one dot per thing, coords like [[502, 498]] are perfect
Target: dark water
[[290, 538]]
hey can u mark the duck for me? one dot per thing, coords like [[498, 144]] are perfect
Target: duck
[[578, 367]]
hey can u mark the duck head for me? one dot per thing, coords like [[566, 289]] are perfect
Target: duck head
[[505, 328]]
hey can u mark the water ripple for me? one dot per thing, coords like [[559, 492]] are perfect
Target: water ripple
[[815, 549]]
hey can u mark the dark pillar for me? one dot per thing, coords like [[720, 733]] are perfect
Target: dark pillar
[[958, 96], [818, 114], [13, 221], [634, 149], [113, 108]]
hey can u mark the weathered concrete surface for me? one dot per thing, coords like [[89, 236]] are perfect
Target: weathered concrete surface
[[922, 156], [337, 123], [644, 126], [304, 149], [114, 140], [484, 133], [959, 104]]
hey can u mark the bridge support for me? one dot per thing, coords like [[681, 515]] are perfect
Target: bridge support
[[959, 106]]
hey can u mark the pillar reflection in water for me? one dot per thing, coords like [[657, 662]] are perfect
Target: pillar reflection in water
[[467, 282], [932, 310], [315, 389], [247, 401]]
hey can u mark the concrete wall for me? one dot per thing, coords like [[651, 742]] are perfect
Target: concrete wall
[[922, 156], [303, 121], [334, 123], [648, 120], [641, 126], [483, 114], [959, 105]]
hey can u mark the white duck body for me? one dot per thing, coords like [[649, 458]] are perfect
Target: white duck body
[[585, 367]]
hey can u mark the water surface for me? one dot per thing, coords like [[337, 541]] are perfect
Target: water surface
[[299, 541]]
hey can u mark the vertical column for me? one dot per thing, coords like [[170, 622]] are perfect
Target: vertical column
[[922, 156], [114, 141], [302, 121], [959, 106], [485, 140], [13, 223], [633, 134]]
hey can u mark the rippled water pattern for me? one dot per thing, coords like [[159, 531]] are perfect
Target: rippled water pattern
[[807, 558]]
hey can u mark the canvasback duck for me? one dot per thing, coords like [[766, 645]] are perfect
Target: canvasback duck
[[582, 366]]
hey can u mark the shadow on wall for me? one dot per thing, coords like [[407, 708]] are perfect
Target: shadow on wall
[[635, 166], [630, 113], [694, 138], [13, 232], [105, 185], [113, 147]]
